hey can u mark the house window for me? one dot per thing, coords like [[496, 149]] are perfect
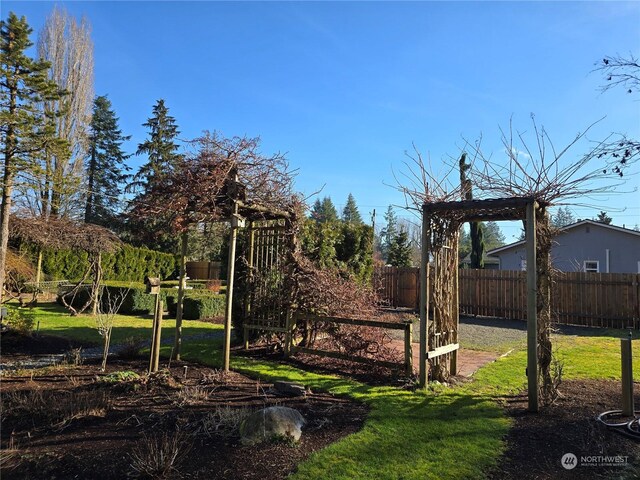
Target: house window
[[523, 265], [591, 266]]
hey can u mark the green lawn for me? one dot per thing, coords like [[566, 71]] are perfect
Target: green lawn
[[443, 433], [55, 320]]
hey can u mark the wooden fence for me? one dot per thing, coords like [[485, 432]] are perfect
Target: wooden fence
[[610, 300]]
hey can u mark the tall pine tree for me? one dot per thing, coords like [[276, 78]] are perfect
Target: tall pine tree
[[350, 213], [24, 130], [388, 233], [105, 165], [161, 149], [399, 254], [324, 211]]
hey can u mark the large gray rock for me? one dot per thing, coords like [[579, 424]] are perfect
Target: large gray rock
[[272, 423]]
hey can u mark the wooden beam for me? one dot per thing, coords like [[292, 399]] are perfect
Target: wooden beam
[[351, 321], [424, 299], [532, 317], [265, 328], [452, 347], [247, 297]]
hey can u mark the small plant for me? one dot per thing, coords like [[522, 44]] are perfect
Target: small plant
[[285, 439], [159, 455], [192, 395], [223, 421], [119, 377], [73, 357], [130, 347], [20, 321], [214, 286], [109, 306]]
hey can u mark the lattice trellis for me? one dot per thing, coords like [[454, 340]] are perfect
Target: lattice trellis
[[267, 302]]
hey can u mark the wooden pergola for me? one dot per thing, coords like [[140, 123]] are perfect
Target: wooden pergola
[[459, 212]]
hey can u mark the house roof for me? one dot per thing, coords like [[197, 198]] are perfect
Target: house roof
[[565, 229]]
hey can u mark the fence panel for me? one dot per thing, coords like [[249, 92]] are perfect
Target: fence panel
[[608, 300]]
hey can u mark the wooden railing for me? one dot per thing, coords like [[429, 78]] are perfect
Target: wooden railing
[[406, 326]]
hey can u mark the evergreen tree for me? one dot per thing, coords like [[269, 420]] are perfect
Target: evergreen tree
[[493, 236], [399, 254], [388, 233], [161, 148], [104, 165], [603, 218], [324, 211], [563, 218], [477, 244], [24, 129], [350, 213], [475, 228]]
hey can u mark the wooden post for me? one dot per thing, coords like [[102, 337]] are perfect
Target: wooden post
[[408, 347], [153, 337], [39, 268], [424, 299], [288, 335], [247, 298], [181, 285], [231, 265], [627, 377], [532, 320], [453, 365], [158, 333]]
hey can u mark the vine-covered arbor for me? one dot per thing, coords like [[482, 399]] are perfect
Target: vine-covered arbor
[[439, 315]]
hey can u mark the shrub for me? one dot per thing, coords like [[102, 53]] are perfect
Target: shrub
[[201, 305], [160, 455], [20, 321], [129, 264]]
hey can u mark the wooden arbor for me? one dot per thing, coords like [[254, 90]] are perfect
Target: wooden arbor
[[441, 222], [268, 246]]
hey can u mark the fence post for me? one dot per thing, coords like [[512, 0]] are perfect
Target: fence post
[[627, 376], [408, 348]]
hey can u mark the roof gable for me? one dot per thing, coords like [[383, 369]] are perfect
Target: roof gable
[[567, 229]]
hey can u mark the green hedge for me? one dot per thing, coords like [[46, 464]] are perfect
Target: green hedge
[[197, 305], [129, 264]]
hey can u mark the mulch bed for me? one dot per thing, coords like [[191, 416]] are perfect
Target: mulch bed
[[537, 442], [98, 443]]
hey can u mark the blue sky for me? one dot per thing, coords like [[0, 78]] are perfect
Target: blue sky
[[345, 88]]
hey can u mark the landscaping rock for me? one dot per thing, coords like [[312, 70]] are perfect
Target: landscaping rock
[[272, 423], [289, 389]]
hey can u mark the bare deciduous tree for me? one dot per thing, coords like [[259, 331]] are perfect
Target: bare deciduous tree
[[110, 304], [67, 45]]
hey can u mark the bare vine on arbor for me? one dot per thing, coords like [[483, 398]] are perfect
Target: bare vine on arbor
[[533, 169], [201, 187]]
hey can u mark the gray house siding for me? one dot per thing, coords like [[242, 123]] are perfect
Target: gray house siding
[[584, 242]]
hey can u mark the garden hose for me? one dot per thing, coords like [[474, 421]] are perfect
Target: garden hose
[[628, 428]]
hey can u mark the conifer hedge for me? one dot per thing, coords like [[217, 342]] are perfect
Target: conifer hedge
[[129, 264]]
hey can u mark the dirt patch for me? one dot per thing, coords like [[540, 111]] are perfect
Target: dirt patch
[[537, 442], [75, 422]]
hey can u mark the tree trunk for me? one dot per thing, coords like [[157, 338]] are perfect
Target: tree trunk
[[88, 211], [105, 351], [182, 283], [4, 222], [97, 279]]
